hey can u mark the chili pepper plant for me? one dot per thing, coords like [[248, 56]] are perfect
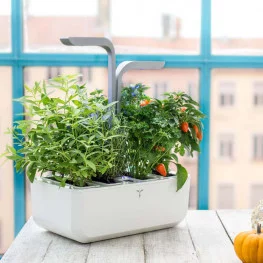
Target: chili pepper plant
[[159, 131]]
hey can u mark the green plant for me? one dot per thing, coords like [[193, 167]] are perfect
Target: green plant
[[76, 136], [155, 130]]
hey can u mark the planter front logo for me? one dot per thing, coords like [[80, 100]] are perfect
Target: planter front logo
[[140, 192]]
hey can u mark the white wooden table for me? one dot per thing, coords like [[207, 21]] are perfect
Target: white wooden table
[[204, 236]]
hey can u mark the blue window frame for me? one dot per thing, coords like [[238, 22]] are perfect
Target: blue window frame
[[205, 61]]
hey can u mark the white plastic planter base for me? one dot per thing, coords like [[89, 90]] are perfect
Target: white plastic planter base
[[101, 212]]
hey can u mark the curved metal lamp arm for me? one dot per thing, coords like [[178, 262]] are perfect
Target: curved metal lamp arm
[[108, 46], [133, 65]]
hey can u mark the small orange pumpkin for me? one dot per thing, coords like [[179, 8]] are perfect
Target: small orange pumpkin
[[249, 246]]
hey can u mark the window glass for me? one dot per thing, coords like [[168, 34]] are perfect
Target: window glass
[[258, 147], [6, 170], [256, 194], [236, 137], [5, 39], [236, 27], [226, 196], [154, 27], [258, 94]]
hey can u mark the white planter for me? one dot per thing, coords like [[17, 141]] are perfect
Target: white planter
[[101, 212]]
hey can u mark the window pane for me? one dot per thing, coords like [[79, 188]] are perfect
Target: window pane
[[5, 39], [226, 196], [6, 170], [96, 78], [237, 136], [159, 27], [236, 27], [256, 194], [169, 80]]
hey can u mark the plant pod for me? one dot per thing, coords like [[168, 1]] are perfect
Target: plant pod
[[160, 168], [249, 245]]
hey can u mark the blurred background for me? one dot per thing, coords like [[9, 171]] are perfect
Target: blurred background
[[170, 29]]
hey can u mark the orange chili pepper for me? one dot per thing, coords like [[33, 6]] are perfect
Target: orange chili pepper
[[160, 168]]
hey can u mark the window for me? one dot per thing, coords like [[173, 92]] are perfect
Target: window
[[258, 94], [256, 194], [192, 197], [5, 10], [159, 89], [166, 29], [226, 94], [237, 34], [52, 72], [258, 147], [192, 91], [6, 169], [85, 74], [226, 146], [235, 136], [225, 196]]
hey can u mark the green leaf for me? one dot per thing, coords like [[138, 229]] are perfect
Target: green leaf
[[77, 103], [91, 165], [195, 146], [31, 171], [63, 182], [174, 156], [11, 149], [182, 176]]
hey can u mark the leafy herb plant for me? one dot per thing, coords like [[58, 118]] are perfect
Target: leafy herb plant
[[159, 131], [76, 136]]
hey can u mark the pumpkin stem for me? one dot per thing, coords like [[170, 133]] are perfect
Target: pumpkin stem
[[258, 228]]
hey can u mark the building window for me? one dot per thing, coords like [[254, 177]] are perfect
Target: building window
[[227, 94], [258, 147], [256, 194], [53, 72], [258, 94], [226, 146], [85, 74], [159, 89], [225, 197]]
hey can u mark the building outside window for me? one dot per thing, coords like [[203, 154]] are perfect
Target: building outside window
[[227, 94], [226, 146], [225, 196], [258, 147], [258, 94], [53, 72], [256, 194], [192, 90], [85, 74], [159, 89]]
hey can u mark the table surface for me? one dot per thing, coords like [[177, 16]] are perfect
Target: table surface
[[204, 236]]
